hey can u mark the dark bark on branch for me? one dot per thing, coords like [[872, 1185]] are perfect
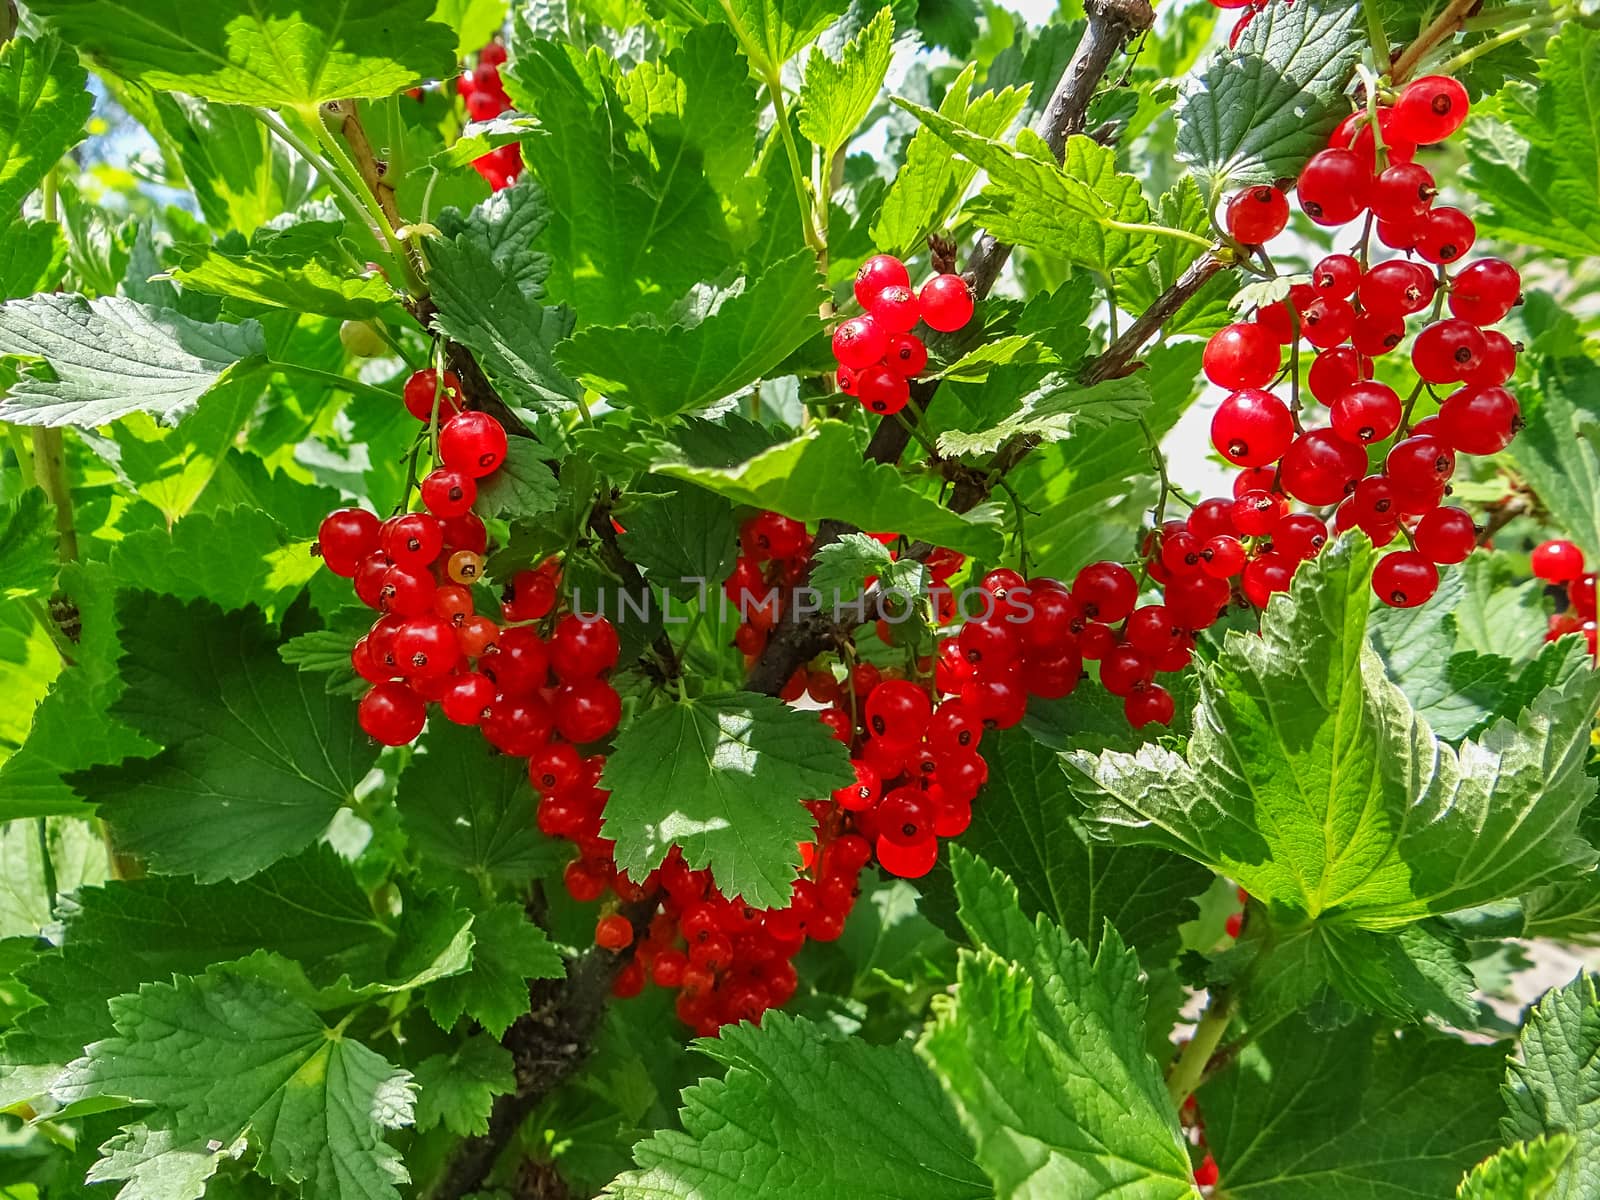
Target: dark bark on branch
[[1111, 24]]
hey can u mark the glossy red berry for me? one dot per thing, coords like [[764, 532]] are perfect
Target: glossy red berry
[[448, 493], [1150, 705], [1105, 592], [1257, 513], [1480, 420], [859, 342], [1399, 287], [1207, 1173], [845, 379], [1405, 579], [1321, 468], [1325, 322], [1430, 109], [425, 647], [1403, 193], [1300, 537], [906, 355], [1125, 670], [1266, 575], [1367, 412], [895, 309], [1337, 275], [1446, 535], [882, 390], [586, 710], [1484, 292], [1445, 235], [1242, 356], [613, 932], [1257, 214], [879, 272], [1448, 351], [421, 388], [467, 699], [1499, 362], [346, 537], [406, 591], [1335, 370], [1355, 133], [947, 303], [532, 596], [1557, 561], [473, 442], [392, 713], [1252, 428], [1224, 556], [1333, 187], [413, 540], [1375, 334], [1581, 592], [517, 725], [583, 647], [1420, 463], [898, 711], [520, 664]]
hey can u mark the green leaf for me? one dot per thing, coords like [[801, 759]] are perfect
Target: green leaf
[[470, 811], [327, 652], [1044, 1058], [1533, 154], [221, 1058], [721, 777], [27, 546], [932, 181], [1056, 409], [77, 857], [257, 759], [841, 569], [821, 474], [642, 162], [111, 357], [1013, 349], [507, 223], [771, 32], [475, 22], [456, 1090], [732, 338], [272, 52], [1553, 1082], [1028, 825], [1558, 452], [522, 486], [1262, 108], [507, 951], [836, 96], [44, 106], [1138, 287], [684, 539], [305, 287], [1070, 210], [33, 258], [512, 334], [1312, 783], [840, 1119], [1525, 1171], [1307, 1114], [480, 137]]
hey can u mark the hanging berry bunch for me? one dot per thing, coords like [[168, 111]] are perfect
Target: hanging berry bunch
[[1353, 312], [1560, 564], [485, 97], [878, 353]]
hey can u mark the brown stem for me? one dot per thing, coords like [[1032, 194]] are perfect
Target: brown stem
[[1446, 25], [1111, 23], [346, 118], [669, 668]]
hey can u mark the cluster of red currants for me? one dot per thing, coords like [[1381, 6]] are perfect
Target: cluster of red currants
[[1560, 564], [774, 554], [877, 352], [1353, 313], [1206, 1173], [485, 97]]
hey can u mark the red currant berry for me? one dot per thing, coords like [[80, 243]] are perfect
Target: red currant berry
[[1557, 561], [1224, 556], [1400, 288], [1336, 276], [1211, 517], [1252, 428], [1124, 670], [882, 390], [908, 861], [1152, 631], [1377, 333], [1403, 193], [467, 699], [1430, 110], [1333, 187], [517, 726], [1321, 468], [586, 710], [413, 540], [368, 579], [1445, 235], [465, 532], [845, 380], [520, 664], [473, 442], [1448, 351], [1326, 322], [906, 355], [1480, 421], [1446, 535], [1257, 214], [583, 647], [879, 272], [345, 538], [1355, 133], [1151, 705], [954, 731], [895, 309], [898, 711], [613, 932], [1499, 364], [532, 596], [1484, 292], [392, 713], [1257, 513], [1405, 579], [421, 388], [1420, 465], [859, 342], [1105, 592], [1581, 592], [406, 592], [1266, 575], [449, 493], [426, 647], [1207, 1173], [947, 303], [1300, 537], [1366, 413], [1336, 370], [1242, 356]]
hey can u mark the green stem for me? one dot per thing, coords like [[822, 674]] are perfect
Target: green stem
[[1160, 462], [1505, 38], [1190, 1068], [354, 386], [1381, 151], [781, 118], [1182, 235], [1382, 52], [1022, 533], [42, 826], [915, 431], [349, 171]]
